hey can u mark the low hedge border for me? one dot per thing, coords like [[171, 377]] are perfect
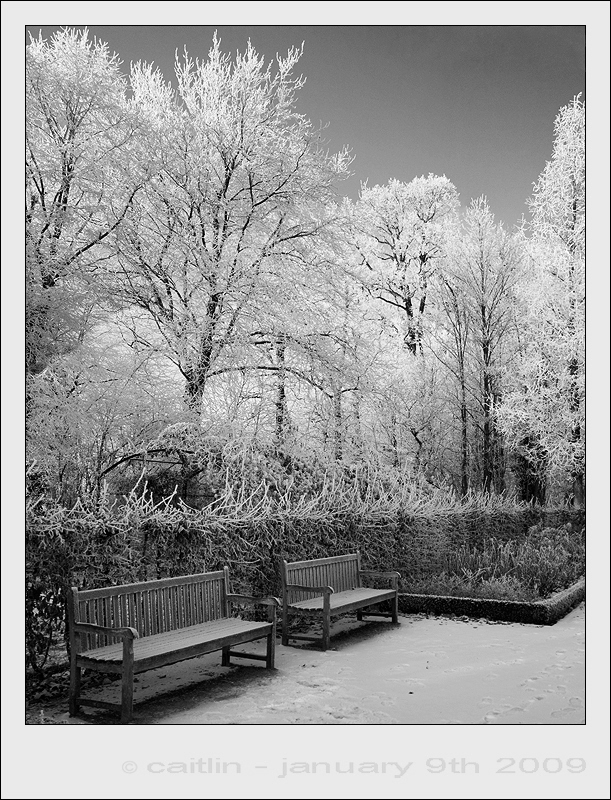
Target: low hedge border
[[538, 612]]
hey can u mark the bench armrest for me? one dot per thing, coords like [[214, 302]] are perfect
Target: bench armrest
[[89, 627], [297, 587], [246, 598], [392, 574]]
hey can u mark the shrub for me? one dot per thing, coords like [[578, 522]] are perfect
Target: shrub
[[546, 561], [506, 587]]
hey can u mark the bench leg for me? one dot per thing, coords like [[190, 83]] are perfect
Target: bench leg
[[271, 650], [127, 683], [127, 698], [359, 616], [75, 688], [225, 659], [326, 621], [326, 631], [271, 638], [395, 608]]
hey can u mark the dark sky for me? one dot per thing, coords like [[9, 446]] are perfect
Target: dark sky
[[476, 103]]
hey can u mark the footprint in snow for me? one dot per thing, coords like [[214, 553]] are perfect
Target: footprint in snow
[[563, 712]]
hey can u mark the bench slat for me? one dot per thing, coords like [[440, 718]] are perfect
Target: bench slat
[[173, 601], [207, 602], [105, 611], [318, 561], [146, 612], [116, 618], [134, 622], [191, 601]]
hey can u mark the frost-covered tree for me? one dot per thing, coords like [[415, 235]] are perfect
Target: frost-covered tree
[[94, 406], [399, 235], [544, 415], [219, 248], [476, 334], [83, 170]]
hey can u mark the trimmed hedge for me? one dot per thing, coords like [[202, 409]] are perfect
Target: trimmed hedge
[[538, 612]]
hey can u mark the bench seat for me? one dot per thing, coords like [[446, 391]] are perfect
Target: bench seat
[[349, 600], [168, 648]]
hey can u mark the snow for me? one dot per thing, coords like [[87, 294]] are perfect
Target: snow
[[426, 670]]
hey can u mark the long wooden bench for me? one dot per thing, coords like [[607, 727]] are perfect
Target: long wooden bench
[[326, 587], [140, 626]]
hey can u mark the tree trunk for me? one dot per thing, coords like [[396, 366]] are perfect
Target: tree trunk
[[487, 461], [417, 459], [577, 473], [531, 468], [411, 336], [358, 435], [197, 374], [574, 399], [498, 452], [459, 327], [579, 490], [337, 424], [280, 403], [194, 390], [464, 441]]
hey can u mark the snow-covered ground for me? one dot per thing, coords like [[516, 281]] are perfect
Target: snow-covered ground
[[423, 671]]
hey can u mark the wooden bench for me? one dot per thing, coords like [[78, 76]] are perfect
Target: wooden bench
[[336, 585], [140, 626]]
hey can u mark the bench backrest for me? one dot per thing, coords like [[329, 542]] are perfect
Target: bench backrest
[[339, 572], [152, 606]]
